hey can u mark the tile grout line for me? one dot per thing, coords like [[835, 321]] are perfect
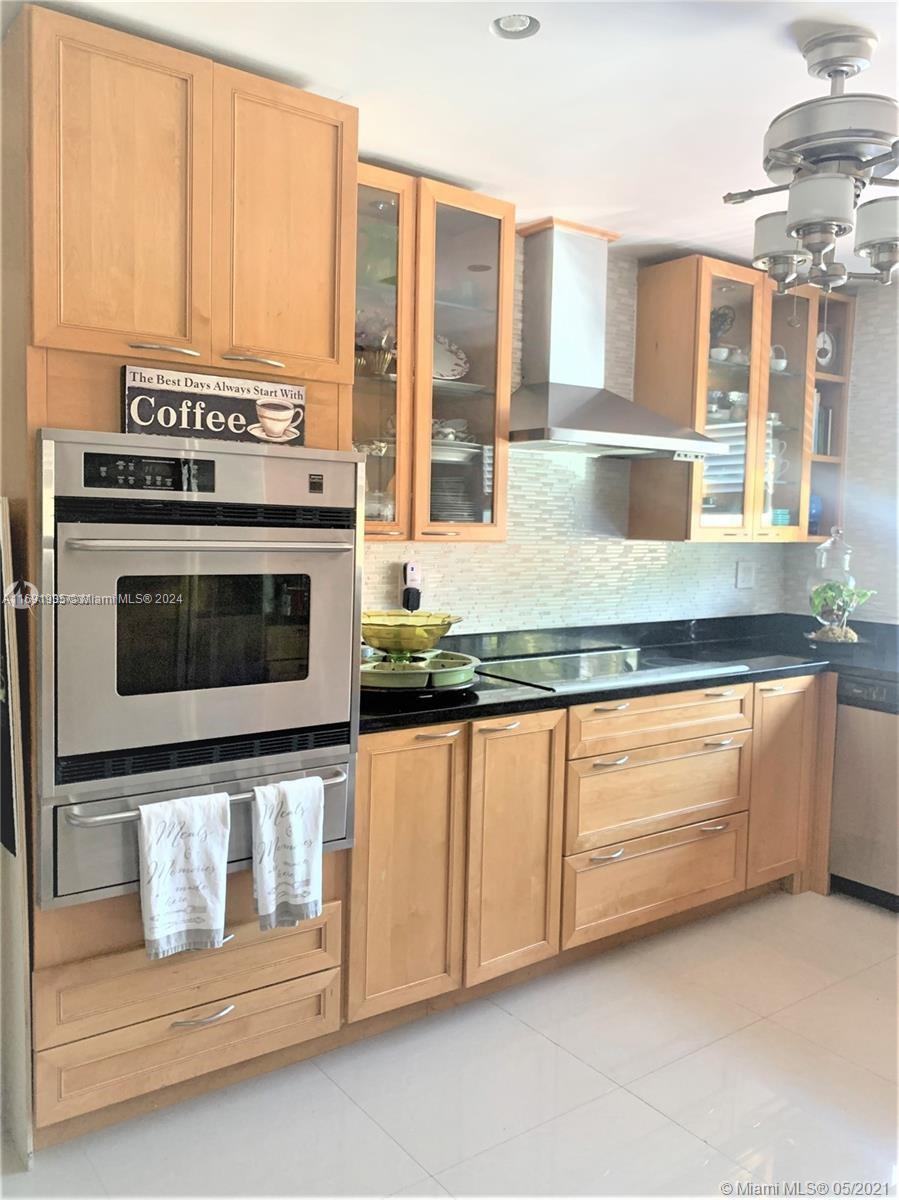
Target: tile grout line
[[374, 1120]]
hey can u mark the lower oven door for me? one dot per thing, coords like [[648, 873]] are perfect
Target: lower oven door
[[200, 633], [89, 850]]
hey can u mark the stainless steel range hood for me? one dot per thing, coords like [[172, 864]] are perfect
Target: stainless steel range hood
[[562, 404]]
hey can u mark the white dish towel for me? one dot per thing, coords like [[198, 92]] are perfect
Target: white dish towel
[[287, 851], [183, 868]]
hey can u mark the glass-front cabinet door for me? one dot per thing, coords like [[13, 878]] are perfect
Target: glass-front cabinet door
[[728, 388], [384, 346], [785, 417], [462, 363]]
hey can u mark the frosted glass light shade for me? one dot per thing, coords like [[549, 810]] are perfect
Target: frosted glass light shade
[[878, 222], [820, 200], [772, 241]]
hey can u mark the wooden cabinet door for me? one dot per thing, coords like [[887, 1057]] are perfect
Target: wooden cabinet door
[[284, 228], [463, 363], [782, 771], [408, 867], [121, 167], [515, 843]]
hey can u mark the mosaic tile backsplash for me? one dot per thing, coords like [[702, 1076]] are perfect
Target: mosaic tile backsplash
[[565, 561]]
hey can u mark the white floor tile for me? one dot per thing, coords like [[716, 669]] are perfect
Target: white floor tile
[[614, 1146], [291, 1133], [57, 1171], [455, 1084], [756, 974], [623, 1017], [856, 1018], [781, 1107]]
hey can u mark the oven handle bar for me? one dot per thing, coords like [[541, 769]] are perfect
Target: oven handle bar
[[120, 818], [188, 545]]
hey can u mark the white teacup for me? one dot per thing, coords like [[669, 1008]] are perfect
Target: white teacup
[[277, 416], [719, 353], [778, 358]]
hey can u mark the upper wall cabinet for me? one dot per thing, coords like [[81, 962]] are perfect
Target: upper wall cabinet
[[121, 159], [463, 363], [720, 351], [284, 228]]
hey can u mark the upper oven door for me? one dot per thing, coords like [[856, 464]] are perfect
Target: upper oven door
[[213, 632]]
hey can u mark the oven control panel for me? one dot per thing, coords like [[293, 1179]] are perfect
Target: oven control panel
[[142, 472]]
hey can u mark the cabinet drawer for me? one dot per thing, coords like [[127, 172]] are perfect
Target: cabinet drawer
[[96, 995], [115, 1066], [659, 787], [610, 726], [642, 880]]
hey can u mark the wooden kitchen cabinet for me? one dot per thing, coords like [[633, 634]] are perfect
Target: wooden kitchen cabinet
[[463, 363], [783, 763], [717, 350], [408, 868], [121, 145], [515, 843], [283, 228]]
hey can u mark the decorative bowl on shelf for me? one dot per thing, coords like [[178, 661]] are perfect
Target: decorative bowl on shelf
[[398, 631]]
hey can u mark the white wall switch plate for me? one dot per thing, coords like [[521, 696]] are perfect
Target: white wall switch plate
[[745, 575]]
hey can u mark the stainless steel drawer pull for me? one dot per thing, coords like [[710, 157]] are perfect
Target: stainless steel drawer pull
[[191, 546], [715, 828], [778, 688], [500, 728], [616, 762], [600, 858], [726, 692], [256, 358], [166, 349], [436, 737], [119, 818], [440, 533], [611, 707], [719, 742], [197, 1021], [229, 937]]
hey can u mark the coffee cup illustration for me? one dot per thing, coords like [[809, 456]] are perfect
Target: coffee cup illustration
[[277, 417]]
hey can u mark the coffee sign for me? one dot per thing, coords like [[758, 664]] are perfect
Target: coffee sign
[[156, 400]]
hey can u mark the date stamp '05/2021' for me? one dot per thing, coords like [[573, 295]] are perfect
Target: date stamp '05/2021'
[[808, 1187]]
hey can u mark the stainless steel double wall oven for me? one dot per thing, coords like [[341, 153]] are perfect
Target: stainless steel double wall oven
[[198, 631]]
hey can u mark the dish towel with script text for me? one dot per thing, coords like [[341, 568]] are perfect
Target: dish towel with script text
[[183, 868], [287, 851]]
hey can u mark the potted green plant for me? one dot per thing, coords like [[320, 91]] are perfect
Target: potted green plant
[[833, 603]]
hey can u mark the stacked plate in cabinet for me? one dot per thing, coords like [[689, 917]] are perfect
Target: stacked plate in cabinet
[[451, 499]]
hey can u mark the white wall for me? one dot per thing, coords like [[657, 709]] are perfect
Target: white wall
[[872, 464], [565, 561]]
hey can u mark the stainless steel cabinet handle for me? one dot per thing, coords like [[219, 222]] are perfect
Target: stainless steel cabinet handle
[[120, 818], [726, 692], [229, 937], [435, 737], [714, 828], [440, 533], [499, 728], [256, 358], [616, 762], [197, 1021], [778, 688], [611, 707], [719, 742], [599, 858], [189, 546], [167, 349]]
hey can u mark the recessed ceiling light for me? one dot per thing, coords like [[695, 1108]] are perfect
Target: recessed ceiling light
[[515, 26]]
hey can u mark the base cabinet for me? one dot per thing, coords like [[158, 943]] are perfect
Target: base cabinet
[[782, 773], [514, 843], [619, 887], [408, 868]]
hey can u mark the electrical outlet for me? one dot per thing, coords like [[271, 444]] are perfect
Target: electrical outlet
[[745, 575]]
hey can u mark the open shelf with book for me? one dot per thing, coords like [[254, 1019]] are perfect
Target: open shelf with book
[[830, 414]]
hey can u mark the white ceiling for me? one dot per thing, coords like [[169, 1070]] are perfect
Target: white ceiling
[[629, 114]]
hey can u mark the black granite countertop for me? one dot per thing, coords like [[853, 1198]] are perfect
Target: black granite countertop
[[766, 647]]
